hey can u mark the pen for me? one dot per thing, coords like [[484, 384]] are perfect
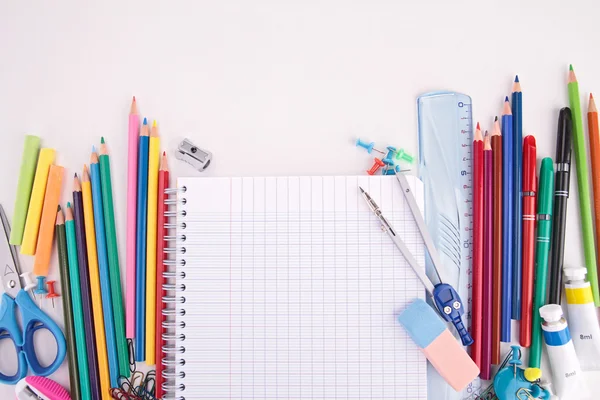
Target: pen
[[528, 262], [544, 217], [561, 196]]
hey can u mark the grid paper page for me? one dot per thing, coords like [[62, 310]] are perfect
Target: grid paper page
[[292, 290]]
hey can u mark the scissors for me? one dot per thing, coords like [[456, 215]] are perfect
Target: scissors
[[33, 318]]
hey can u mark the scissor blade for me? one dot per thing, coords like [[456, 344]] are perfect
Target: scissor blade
[[9, 269]]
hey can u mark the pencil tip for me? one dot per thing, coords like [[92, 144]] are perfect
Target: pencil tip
[[478, 125], [59, 208], [495, 118], [102, 140], [591, 96], [93, 149], [164, 153], [570, 67], [133, 99], [68, 204], [75, 174], [506, 98], [516, 78], [154, 124], [361, 189], [145, 121]]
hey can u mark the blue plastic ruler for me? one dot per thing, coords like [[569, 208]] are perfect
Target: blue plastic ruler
[[445, 126]]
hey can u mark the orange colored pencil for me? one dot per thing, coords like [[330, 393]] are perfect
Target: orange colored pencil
[[594, 136]]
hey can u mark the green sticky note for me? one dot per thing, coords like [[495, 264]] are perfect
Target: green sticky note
[[26, 175]]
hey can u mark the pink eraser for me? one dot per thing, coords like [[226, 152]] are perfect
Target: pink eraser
[[442, 349]]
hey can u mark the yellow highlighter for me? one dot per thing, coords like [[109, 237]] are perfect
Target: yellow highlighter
[[90, 233], [34, 212], [153, 161]]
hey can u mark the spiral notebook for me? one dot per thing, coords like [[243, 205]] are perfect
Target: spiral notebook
[[287, 288]]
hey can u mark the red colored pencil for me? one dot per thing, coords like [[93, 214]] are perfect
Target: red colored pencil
[[497, 252], [477, 269], [163, 183], [488, 249], [528, 263]]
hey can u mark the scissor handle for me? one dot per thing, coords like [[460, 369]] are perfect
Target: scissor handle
[[9, 329], [35, 319]]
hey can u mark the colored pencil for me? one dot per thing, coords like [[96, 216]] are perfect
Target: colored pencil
[[96, 291], [163, 184], [508, 219], [84, 282], [113, 259], [594, 136], [76, 301], [65, 284], [517, 111], [497, 254], [562, 180], [478, 226], [529, 199], [140, 247], [585, 207], [544, 217], [153, 166], [488, 246], [103, 269], [133, 134]]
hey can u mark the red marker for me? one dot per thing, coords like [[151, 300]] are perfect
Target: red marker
[[477, 296], [528, 260]]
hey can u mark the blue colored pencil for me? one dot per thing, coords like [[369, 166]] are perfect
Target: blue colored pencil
[[109, 323], [508, 221], [517, 111], [140, 247]]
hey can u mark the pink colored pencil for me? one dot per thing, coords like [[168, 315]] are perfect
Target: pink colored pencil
[[488, 251], [134, 131]]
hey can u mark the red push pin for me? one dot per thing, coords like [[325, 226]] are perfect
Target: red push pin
[[378, 164], [51, 293]]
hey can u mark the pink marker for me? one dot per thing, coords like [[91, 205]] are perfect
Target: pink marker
[[134, 130]]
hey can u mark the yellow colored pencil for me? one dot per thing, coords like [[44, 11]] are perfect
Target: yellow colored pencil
[[90, 233], [153, 164]]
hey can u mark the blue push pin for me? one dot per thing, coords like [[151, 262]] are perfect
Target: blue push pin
[[367, 146], [41, 288], [389, 170], [389, 159]]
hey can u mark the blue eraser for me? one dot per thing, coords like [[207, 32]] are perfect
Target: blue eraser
[[422, 323]]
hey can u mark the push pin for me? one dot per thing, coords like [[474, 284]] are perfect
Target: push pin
[[404, 156], [51, 293], [29, 283], [41, 290], [367, 146], [389, 170], [378, 164], [389, 159]]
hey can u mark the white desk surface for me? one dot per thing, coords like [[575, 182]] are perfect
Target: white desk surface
[[276, 87]]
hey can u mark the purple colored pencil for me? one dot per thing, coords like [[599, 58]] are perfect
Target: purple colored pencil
[[86, 297], [488, 251]]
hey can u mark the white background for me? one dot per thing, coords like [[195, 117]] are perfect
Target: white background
[[276, 87]]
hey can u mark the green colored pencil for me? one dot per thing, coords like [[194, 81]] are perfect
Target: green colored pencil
[[585, 207], [63, 261], [542, 253], [78, 323], [113, 260]]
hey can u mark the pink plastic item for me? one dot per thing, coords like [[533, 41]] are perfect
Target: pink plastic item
[[44, 388]]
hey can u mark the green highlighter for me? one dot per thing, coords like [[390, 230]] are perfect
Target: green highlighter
[[28, 164], [542, 252]]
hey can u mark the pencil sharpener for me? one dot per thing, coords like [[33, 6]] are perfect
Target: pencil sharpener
[[193, 155]]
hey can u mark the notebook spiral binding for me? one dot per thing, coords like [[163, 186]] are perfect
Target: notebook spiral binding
[[173, 300]]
